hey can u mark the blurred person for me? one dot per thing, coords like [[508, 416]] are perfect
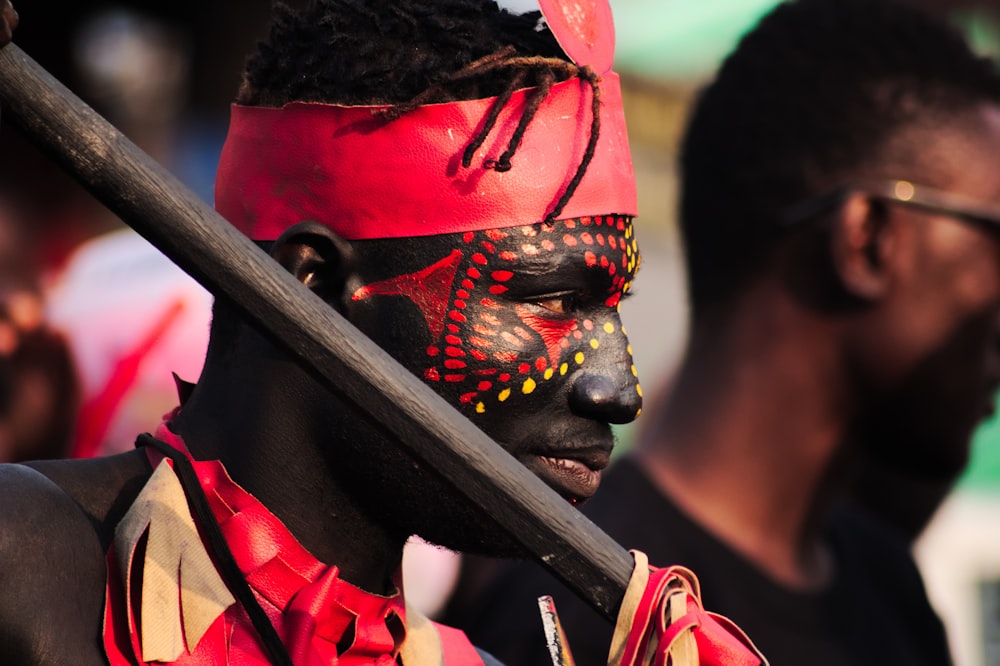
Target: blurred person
[[38, 383], [135, 70], [133, 318], [841, 215]]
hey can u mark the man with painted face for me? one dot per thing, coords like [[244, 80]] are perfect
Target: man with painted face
[[841, 214], [460, 188]]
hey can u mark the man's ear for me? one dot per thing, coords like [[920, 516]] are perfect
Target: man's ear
[[862, 247], [317, 257]]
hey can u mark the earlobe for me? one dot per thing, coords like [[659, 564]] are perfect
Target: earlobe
[[317, 257], [861, 248]]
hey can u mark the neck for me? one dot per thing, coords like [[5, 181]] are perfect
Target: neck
[[750, 438], [262, 421]]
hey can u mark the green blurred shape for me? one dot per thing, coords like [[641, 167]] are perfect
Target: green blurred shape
[[680, 39], [686, 40], [983, 472]]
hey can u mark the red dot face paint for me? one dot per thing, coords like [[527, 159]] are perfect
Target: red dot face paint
[[527, 307]]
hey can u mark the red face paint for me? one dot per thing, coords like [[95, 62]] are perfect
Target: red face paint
[[556, 311]]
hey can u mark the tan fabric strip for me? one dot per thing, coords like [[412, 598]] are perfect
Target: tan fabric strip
[[422, 646], [684, 651], [633, 593], [182, 593]]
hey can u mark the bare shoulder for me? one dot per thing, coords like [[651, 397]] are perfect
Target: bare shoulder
[[36, 515], [54, 527], [102, 488]]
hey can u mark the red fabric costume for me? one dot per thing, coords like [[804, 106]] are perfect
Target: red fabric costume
[[312, 608]]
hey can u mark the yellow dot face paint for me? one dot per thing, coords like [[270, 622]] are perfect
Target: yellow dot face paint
[[508, 312]]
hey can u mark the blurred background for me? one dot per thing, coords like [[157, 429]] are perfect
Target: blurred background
[[96, 320]]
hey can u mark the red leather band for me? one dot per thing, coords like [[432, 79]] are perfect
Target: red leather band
[[365, 177], [653, 632]]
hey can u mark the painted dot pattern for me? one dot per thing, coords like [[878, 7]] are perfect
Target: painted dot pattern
[[492, 351]]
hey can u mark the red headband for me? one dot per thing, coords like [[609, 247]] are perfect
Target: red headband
[[363, 176], [366, 177]]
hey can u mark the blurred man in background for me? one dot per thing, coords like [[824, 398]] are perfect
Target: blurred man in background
[[841, 182]]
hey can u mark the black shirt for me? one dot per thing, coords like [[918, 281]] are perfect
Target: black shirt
[[876, 611]]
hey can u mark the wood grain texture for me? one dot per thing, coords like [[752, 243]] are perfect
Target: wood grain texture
[[160, 208]]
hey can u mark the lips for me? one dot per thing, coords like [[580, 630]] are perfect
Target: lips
[[574, 474]]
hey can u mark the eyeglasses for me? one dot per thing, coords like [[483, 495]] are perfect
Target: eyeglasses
[[901, 192]]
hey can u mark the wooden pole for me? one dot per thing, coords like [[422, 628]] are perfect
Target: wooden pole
[[154, 203]]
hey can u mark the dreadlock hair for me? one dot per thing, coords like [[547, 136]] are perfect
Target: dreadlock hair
[[809, 98], [403, 53]]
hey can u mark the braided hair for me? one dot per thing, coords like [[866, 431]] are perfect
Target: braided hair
[[810, 97]]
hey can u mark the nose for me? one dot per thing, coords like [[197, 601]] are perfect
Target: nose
[[599, 397]]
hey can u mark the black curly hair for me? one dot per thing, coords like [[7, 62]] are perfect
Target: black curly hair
[[392, 51], [811, 96]]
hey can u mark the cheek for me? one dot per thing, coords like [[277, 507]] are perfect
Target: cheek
[[496, 353], [959, 271], [944, 324], [484, 353], [978, 285], [502, 355], [963, 295]]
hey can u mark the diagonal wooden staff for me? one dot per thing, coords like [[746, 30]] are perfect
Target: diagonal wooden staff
[[196, 238]]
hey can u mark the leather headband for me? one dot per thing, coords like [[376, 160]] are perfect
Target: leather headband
[[365, 177]]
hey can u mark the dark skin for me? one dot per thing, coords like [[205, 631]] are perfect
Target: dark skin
[[343, 489], [885, 343], [8, 22]]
